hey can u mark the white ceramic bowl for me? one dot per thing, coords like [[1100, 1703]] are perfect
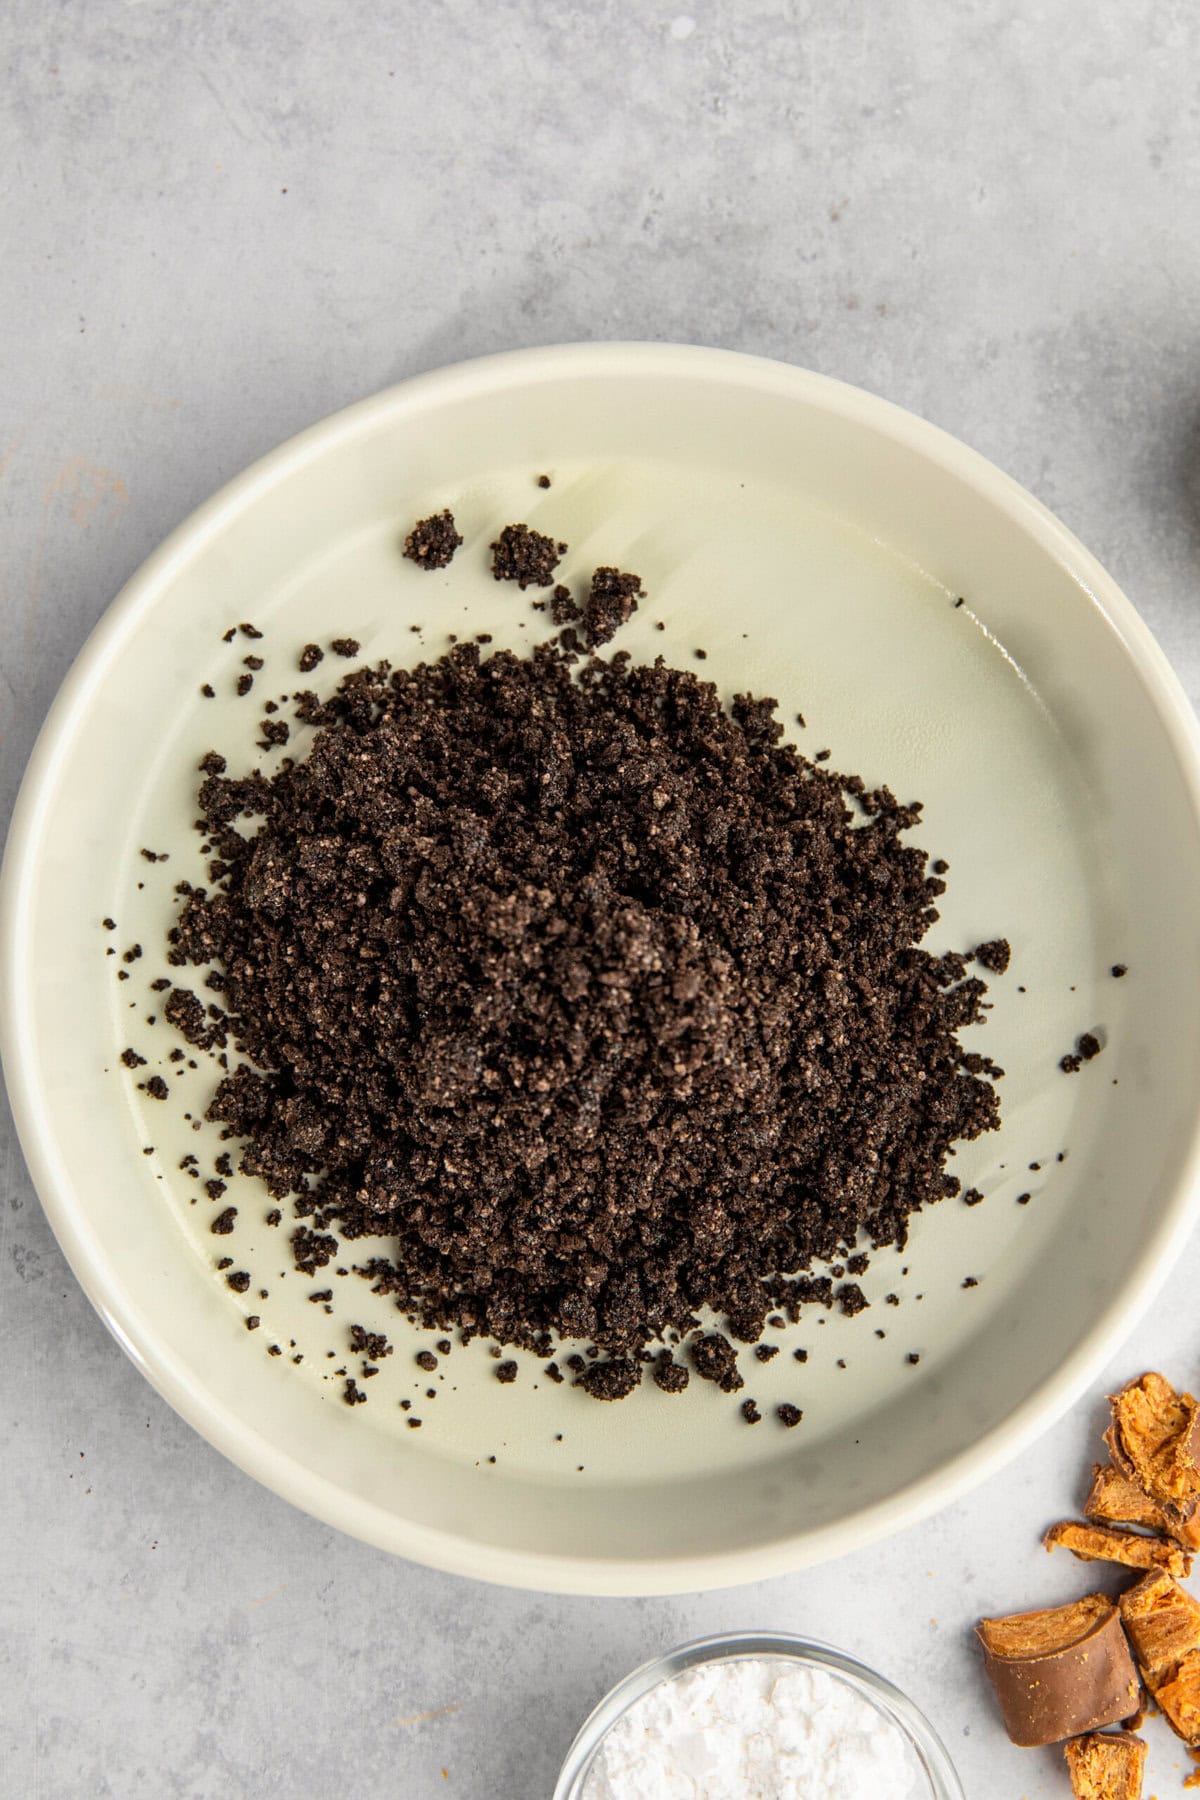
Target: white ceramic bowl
[[935, 1777], [814, 541]]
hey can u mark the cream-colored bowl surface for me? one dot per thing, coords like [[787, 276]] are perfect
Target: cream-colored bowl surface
[[815, 542]]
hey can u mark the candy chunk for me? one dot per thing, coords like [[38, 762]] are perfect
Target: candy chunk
[[1101, 1543], [1106, 1765], [1060, 1671], [1114, 1499], [1154, 1438], [1163, 1622]]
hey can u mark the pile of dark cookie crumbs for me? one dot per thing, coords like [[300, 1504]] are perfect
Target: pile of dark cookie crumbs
[[432, 542], [596, 999], [1086, 1047], [525, 556]]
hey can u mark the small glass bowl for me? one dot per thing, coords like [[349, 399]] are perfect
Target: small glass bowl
[[941, 1781]]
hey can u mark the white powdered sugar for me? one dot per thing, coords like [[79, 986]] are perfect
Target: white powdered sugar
[[754, 1728]]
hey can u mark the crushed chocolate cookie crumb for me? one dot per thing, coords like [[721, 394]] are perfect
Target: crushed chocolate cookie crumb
[[425, 1359], [214, 1188], [612, 1380], [972, 1197], [1119, 969], [801, 1356], [254, 663], [250, 631], [789, 1415], [1089, 1046], [913, 1357], [187, 1013], [345, 646], [672, 1377], [239, 1281], [852, 1300], [208, 691], [132, 1060], [526, 557], [312, 1249], [971, 1281], [595, 865], [714, 1359], [750, 1412], [611, 602], [506, 1371], [543, 481], [156, 1087], [554, 1372], [443, 1346], [563, 609], [432, 542], [243, 684], [765, 1352], [252, 1322], [352, 1394], [309, 657], [363, 1342], [223, 1224], [1070, 1065], [994, 955]]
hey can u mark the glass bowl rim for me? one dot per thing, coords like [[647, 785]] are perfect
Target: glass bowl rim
[[932, 1755]]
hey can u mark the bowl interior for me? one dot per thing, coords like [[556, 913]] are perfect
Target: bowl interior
[[815, 543]]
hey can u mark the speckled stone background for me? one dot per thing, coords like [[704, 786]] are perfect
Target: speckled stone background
[[219, 222]]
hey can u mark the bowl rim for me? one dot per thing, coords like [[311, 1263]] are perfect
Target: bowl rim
[[731, 1646], [286, 1475]]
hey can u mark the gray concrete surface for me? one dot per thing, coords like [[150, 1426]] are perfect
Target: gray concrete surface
[[219, 222]]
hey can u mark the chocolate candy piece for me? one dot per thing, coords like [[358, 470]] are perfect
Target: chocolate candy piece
[[1060, 1671], [1116, 1500], [1133, 1549], [1106, 1765], [1154, 1438], [1163, 1623]]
